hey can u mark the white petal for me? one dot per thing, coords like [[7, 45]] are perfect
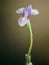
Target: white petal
[[34, 12], [20, 10], [22, 21]]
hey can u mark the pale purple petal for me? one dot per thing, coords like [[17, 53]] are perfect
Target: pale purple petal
[[34, 12], [22, 21], [19, 10], [27, 11], [29, 7]]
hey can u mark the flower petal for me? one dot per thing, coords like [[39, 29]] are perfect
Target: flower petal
[[25, 12], [19, 10], [22, 21], [34, 12], [30, 7]]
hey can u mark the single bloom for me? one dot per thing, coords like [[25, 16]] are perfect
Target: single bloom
[[26, 13]]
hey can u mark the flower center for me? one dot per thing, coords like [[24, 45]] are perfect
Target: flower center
[[27, 13]]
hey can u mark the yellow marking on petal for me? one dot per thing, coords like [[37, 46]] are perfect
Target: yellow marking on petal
[[32, 10], [23, 18]]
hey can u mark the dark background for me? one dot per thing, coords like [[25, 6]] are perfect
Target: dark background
[[15, 40]]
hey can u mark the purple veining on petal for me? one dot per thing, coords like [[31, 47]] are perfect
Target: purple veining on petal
[[27, 11], [30, 7]]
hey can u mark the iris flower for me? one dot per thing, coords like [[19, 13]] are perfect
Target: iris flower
[[26, 13], [24, 20]]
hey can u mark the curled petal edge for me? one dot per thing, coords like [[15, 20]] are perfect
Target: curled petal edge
[[34, 12], [19, 10]]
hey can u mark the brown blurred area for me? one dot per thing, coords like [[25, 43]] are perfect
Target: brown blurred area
[[15, 39]]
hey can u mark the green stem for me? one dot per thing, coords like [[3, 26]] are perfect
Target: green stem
[[31, 42], [28, 56]]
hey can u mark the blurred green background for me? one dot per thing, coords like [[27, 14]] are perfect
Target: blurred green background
[[15, 40]]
